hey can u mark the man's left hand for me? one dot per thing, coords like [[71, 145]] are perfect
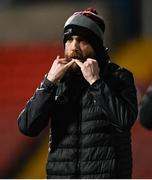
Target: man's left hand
[[90, 69]]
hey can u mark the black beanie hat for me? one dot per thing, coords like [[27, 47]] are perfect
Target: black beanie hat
[[88, 25]]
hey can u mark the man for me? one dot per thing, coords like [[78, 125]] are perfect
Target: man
[[146, 109], [92, 105]]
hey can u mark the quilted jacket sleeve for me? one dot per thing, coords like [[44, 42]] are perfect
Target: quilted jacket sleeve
[[119, 100], [146, 109], [35, 116]]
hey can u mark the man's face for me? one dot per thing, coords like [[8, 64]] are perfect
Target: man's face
[[77, 48]]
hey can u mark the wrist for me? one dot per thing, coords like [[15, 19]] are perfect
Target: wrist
[[52, 79], [94, 80]]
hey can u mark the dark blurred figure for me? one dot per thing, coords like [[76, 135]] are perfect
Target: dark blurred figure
[[146, 109]]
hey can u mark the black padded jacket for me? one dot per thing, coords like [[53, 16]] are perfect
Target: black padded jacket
[[90, 125], [146, 109]]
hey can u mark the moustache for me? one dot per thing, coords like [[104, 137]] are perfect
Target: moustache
[[76, 55]]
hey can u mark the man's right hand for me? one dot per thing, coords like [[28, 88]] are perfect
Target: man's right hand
[[58, 69]]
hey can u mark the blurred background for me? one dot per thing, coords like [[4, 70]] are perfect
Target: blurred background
[[31, 38]]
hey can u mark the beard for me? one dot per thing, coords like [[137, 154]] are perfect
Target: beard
[[75, 55]]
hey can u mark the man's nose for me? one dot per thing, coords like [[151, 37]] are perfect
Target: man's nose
[[75, 45]]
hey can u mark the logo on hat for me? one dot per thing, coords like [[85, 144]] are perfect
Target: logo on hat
[[68, 32]]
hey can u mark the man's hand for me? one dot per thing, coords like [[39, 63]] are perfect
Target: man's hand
[[90, 69], [58, 69]]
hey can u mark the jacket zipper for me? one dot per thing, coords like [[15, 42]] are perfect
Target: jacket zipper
[[78, 171]]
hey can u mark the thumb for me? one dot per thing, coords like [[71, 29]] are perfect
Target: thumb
[[69, 64], [80, 64]]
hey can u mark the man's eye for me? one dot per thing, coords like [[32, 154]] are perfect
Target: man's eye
[[81, 39], [84, 42], [69, 39]]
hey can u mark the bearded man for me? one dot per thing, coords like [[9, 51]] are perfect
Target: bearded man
[[89, 103]]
